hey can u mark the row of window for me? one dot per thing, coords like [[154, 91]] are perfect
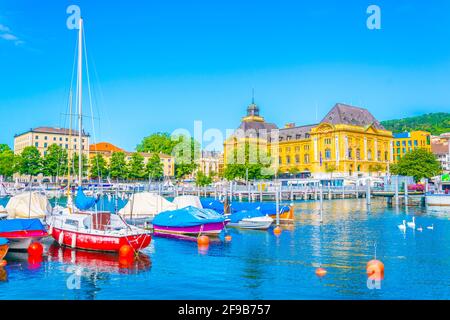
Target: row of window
[[416, 143], [45, 145], [296, 159], [60, 139]]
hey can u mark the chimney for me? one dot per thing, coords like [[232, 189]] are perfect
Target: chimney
[[289, 125]]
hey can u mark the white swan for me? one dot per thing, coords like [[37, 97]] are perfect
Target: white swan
[[402, 226], [413, 223], [431, 227]]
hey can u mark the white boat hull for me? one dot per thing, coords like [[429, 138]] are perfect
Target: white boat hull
[[258, 223], [438, 200]]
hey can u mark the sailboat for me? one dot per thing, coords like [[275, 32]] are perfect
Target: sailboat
[[78, 227]]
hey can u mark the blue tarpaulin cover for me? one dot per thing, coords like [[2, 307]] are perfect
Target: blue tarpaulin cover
[[265, 207], [3, 241], [238, 216], [12, 225], [187, 217], [82, 202]]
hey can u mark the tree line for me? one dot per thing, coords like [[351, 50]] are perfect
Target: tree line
[[55, 163]]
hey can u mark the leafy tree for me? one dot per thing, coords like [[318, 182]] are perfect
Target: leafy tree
[[418, 163], [75, 167], [154, 168], [184, 169], [202, 179], [136, 168], [30, 162], [157, 143], [55, 162], [98, 167], [250, 163], [8, 162], [118, 166], [4, 147]]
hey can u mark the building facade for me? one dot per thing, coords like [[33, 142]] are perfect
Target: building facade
[[408, 141], [43, 137], [106, 149], [349, 141], [440, 146]]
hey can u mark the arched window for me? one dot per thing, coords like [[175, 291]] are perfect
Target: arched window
[[379, 155], [369, 154], [350, 153], [358, 154], [327, 154], [386, 156], [306, 158]]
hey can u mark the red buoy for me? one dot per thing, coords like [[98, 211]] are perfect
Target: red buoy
[[228, 238], [321, 272], [35, 249], [126, 252], [375, 269], [277, 231], [203, 241]]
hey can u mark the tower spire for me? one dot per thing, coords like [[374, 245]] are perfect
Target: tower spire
[[253, 95]]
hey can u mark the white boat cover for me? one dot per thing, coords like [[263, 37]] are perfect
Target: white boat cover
[[146, 205], [26, 206], [188, 201]]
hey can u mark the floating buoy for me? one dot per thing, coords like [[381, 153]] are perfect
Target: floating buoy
[[375, 269], [321, 272], [35, 249], [203, 241], [228, 238], [126, 252], [277, 231], [3, 263]]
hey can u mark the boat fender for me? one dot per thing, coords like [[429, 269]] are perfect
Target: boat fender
[[74, 240], [61, 238]]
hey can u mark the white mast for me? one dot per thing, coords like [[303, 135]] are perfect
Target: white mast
[[80, 109]]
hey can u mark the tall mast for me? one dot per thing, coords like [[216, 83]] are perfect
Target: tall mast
[[80, 108]]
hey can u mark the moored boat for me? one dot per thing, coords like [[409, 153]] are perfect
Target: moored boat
[[97, 231], [22, 232], [189, 221], [437, 199], [252, 219]]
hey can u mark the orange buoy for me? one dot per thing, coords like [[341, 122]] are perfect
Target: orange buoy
[[321, 272], [3, 263], [277, 231], [203, 241], [35, 249], [375, 269], [228, 238], [126, 252]]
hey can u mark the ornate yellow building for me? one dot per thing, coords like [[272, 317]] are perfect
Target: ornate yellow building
[[348, 141]]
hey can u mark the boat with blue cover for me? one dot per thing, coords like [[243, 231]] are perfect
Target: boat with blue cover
[[189, 221], [286, 213]]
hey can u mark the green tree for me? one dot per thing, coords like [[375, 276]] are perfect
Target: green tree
[[136, 168], [8, 162], [30, 162], [156, 143], [54, 162], [118, 166], [85, 165], [435, 123], [184, 169], [98, 167], [154, 168], [202, 180], [418, 163], [4, 147]]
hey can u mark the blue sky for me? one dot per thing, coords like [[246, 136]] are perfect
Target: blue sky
[[160, 65]]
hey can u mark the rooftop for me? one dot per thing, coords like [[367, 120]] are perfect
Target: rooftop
[[54, 130], [346, 114]]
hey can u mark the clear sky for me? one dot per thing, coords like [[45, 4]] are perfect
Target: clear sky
[[160, 65]]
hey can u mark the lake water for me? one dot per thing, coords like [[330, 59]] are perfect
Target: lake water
[[257, 264]]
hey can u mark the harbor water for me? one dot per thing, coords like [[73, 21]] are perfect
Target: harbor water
[[258, 264]]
